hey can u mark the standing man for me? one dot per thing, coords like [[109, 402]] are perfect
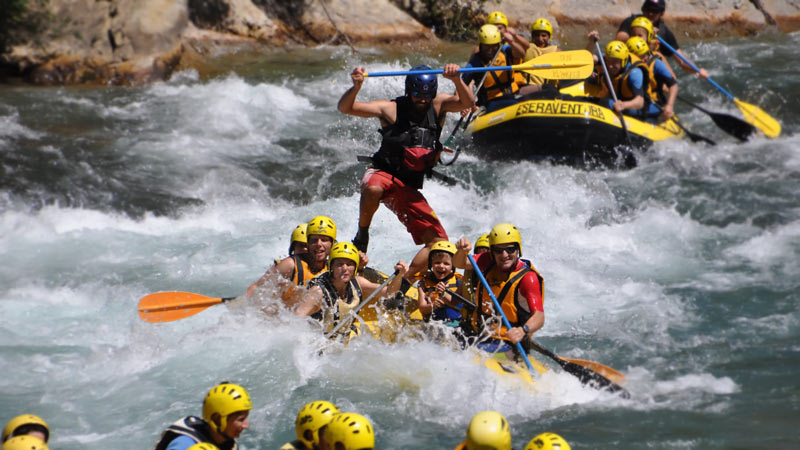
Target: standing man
[[410, 126], [654, 10]]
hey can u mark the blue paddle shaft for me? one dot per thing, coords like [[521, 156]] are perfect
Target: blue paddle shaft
[[497, 307], [461, 70], [683, 58]]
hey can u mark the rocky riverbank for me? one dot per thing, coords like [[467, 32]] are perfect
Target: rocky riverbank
[[131, 42]]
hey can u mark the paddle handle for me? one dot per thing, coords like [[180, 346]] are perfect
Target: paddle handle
[[436, 71], [613, 94], [355, 311], [498, 308], [695, 68]]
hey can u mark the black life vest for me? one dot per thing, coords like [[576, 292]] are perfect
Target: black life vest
[[330, 297], [193, 427], [422, 135]]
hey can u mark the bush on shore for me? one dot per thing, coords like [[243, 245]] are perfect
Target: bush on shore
[[455, 20]]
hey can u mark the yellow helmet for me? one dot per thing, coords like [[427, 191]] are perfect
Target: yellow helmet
[[24, 442], [28, 421], [505, 233], [637, 46], [225, 399], [643, 22], [488, 430], [444, 246], [203, 446], [547, 441], [353, 431], [497, 17], [322, 225], [483, 241], [542, 24], [344, 250], [298, 235], [312, 417], [489, 35], [617, 50]]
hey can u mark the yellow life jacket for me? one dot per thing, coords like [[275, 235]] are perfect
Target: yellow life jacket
[[533, 52], [301, 275], [505, 287], [656, 92], [497, 83], [620, 81]]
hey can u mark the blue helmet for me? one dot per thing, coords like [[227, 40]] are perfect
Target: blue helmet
[[422, 85]]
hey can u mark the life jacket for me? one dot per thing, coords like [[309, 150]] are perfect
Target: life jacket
[[452, 283], [620, 81], [330, 298], [193, 427], [505, 287], [497, 83], [410, 147], [534, 52], [302, 272], [657, 86]]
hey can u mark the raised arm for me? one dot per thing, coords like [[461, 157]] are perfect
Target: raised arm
[[463, 98], [383, 109]]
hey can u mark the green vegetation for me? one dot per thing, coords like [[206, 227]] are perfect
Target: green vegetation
[[455, 20], [19, 19]]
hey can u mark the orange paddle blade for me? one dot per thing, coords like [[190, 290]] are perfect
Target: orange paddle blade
[[612, 374], [170, 306]]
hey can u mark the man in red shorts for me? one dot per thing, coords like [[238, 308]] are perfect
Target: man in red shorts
[[410, 126]]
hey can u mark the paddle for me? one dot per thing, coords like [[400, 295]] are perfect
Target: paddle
[[734, 126], [629, 160], [752, 113], [612, 374], [173, 305], [569, 65], [355, 311], [586, 375], [693, 136]]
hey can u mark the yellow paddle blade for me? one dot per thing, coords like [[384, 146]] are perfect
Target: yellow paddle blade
[[759, 119], [612, 374], [169, 306], [568, 65]]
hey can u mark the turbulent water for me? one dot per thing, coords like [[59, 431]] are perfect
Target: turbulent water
[[684, 273]]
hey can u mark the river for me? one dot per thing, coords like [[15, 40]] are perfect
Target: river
[[684, 272]]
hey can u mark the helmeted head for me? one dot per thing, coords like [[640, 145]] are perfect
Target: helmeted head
[[505, 233], [299, 238], [345, 250], [311, 418], [25, 424], [542, 24], [322, 226], [482, 244], [547, 441], [617, 57], [223, 400], [436, 257], [497, 18], [489, 35], [488, 430], [645, 25], [654, 9], [422, 86], [24, 442], [349, 431], [637, 46], [203, 446]]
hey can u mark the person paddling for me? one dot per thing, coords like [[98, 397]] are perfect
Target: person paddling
[[488, 430], [541, 35], [332, 295], [629, 77], [654, 11], [26, 425], [300, 268], [225, 411], [492, 52], [517, 286], [663, 85], [410, 148], [310, 419]]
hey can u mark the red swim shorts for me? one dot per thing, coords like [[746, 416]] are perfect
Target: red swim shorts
[[408, 204]]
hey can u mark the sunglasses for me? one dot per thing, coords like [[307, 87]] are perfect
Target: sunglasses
[[500, 250], [427, 95]]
